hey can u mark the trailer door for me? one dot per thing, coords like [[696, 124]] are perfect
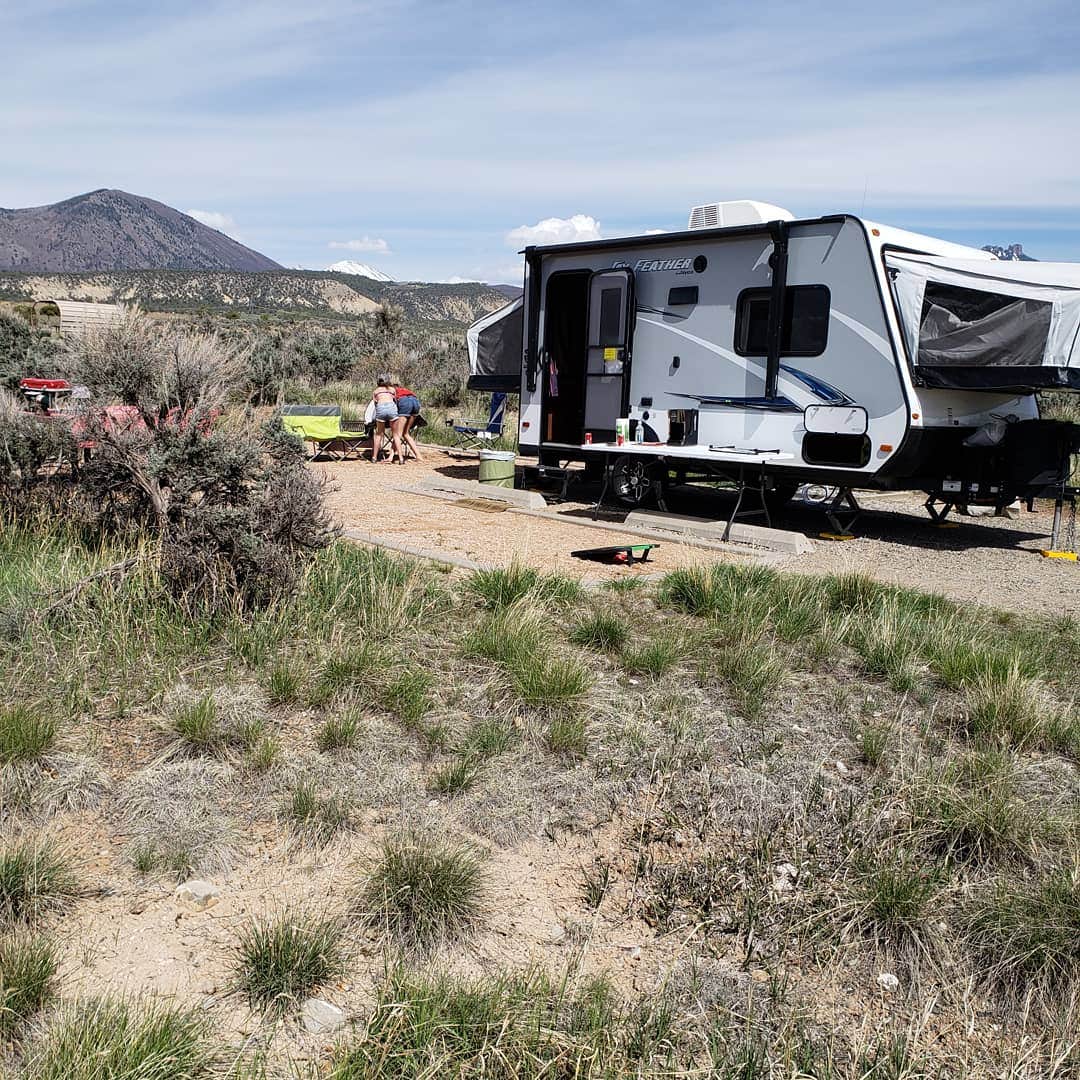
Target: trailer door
[[607, 372]]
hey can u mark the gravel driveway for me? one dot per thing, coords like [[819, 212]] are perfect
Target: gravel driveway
[[992, 561]]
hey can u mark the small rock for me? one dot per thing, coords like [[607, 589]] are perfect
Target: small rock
[[841, 767], [976, 511], [553, 935], [633, 951], [321, 1017], [199, 894], [1012, 510], [888, 981]]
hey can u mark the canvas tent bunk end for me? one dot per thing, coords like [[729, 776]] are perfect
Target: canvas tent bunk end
[[828, 350]]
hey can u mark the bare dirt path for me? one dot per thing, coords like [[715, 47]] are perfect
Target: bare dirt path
[[992, 561]]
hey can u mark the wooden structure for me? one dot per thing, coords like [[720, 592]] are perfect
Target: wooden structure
[[79, 316]]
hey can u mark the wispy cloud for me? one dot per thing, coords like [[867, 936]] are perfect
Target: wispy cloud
[[372, 244], [215, 220]]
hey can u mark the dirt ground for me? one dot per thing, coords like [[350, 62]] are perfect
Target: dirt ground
[[992, 561]]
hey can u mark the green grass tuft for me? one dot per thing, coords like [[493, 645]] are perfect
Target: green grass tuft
[[602, 631], [551, 682], [34, 879], [27, 978], [423, 892], [456, 776], [752, 674], [566, 735], [26, 733], [281, 961], [500, 588], [124, 1041], [284, 683], [338, 733], [1027, 933], [656, 657], [316, 817]]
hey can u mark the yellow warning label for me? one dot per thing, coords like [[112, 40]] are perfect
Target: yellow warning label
[[611, 354]]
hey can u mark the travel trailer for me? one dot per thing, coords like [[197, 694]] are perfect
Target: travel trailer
[[776, 352]]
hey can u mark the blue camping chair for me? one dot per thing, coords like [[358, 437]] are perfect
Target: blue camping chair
[[478, 434]]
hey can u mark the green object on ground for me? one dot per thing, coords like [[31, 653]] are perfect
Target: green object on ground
[[497, 468], [313, 427]]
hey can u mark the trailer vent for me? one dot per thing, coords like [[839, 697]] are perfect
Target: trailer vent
[[725, 215], [705, 217]]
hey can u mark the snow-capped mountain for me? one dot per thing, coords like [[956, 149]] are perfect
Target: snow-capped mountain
[[351, 266], [1013, 253]]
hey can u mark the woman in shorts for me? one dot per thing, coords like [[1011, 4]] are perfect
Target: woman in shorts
[[408, 407], [386, 414]]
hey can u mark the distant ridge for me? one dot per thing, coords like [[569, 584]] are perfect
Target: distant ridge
[[115, 230], [1012, 253]]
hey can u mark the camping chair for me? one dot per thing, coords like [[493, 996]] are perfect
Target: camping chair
[[479, 434], [323, 428]]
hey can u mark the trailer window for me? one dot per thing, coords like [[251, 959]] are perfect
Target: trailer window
[[611, 317], [972, 328], [805, 330]]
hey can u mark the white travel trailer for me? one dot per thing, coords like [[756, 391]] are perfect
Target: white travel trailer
[[775, 352]]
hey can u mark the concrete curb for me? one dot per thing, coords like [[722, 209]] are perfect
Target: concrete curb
[[791, 543], [408, 549], [473, 489]]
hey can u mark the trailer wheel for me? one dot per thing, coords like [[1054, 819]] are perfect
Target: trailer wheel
[[631, 480], [783, 491]]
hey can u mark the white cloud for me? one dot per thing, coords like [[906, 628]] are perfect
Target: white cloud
[[555, 230], [373, 244], [655, 232], [214, 220], [457, 280]]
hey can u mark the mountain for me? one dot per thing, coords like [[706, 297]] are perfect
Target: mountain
[[511, 292], [114, 230], [1012, 253], [351, 266], [321, 293]]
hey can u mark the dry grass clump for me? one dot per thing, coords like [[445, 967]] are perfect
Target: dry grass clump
[[423, 892], [175, 817], [215, 721], [35, 878], [970, 809], [26, 733], [58, 780], [752, 674], [28, 967], [1012, 709], [1026, 933], [281, 961], [123, 1040]]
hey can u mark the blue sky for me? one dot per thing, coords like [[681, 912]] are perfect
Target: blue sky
[[428, 138]]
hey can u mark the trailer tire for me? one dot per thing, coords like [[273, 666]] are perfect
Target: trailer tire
[[631, 479], [782, 492]]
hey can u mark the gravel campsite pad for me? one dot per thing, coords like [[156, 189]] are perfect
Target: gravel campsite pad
[[993, 561]]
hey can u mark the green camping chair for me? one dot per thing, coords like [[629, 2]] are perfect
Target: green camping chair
[[323, 428]]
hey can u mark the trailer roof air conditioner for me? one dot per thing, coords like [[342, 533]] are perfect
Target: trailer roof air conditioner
[[724, 215]]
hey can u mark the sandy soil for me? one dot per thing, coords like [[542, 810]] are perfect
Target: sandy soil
[[992, 561]]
